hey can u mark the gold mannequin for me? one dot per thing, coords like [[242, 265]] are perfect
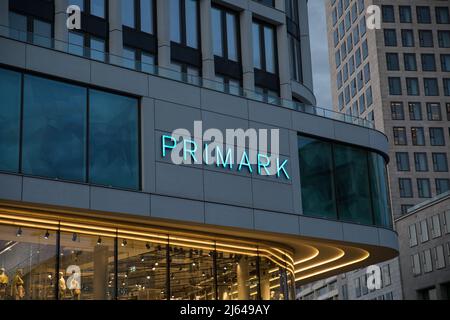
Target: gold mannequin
[[4, 281], [18, 285], [62, 286]]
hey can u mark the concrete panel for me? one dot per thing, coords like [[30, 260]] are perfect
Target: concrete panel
[[229, 216], [388, 238], [272, 196], [148, 144], [351, 133], [170, 116], [270, 114], [314, 125], [301, 91], [58, 64], [212, 120], [174, 91], [55, 193], [179, 181], [267, 13], [284, 136], [321, 228], [111, 200], [227, 188], [12, 52], [224, 103], [276, 222], [177, 209], [118, 78], [295, 174], [360, 234], [10, 187]]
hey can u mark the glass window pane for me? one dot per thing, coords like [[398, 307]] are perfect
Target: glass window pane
[[191, 274], [129, 58], [76, 43], [380, 192], [217, 32], [191, 23], [352, 184], [42, 33], [79, 3], [87, 267], [10, 91], [113, 137], [316, 172], [269, 42], [97, 49], [232, 37], [147, 16], [256, 46], [27, 264], [142, 270], [148, 63], [54, 129], [18, 26], [128, 18], [175, 32], [98, 8]]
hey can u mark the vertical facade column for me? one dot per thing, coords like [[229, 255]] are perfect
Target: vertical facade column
[[305, 44], [283, 62], [4, 17], [208, 70], [242, 279], [265, 286], [115, 31], [100, 272], [61, 32], [248, 71], [163, 21]]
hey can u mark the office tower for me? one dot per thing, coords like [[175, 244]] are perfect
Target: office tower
[[398, 76], [91, 186]]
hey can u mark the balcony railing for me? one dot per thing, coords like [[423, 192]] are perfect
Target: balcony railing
[[51, 43]]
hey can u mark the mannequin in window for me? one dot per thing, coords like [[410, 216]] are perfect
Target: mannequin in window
[[18, 285], [4, 281], [74, 286], [61, 286]]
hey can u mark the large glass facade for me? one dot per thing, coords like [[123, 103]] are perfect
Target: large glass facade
[[51, 133], [10, 93], [343, 182], [72, 262]]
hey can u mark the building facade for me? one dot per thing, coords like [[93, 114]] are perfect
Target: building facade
[[424, 235], [398, 76], [92, 203], [353, 285], [325, 289]]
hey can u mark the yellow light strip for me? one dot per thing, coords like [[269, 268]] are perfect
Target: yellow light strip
[[29, 225], [19, 218], [364, 257], [318, 264], [314, 255]]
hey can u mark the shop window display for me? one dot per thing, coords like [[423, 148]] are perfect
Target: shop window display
[[27, 264], [66, 263]]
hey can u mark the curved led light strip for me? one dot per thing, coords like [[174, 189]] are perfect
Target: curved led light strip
[[364, 257], [318, 264]]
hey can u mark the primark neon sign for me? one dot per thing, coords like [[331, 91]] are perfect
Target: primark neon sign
[[239, 149]]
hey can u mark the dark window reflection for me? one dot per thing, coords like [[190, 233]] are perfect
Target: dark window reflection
[[10, 91], [54, 129], [113, 137]]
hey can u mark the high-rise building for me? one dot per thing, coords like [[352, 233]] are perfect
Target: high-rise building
[[96, 201], [398, 76], [424, 235]]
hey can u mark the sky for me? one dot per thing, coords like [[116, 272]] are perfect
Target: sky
[[319, 52]]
